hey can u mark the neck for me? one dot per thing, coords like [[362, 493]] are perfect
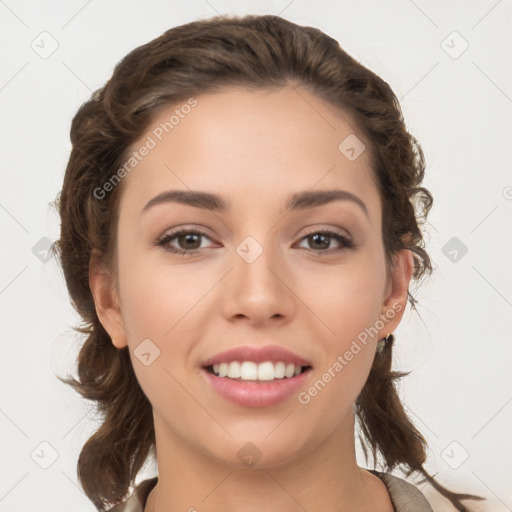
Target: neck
[[325, 478]]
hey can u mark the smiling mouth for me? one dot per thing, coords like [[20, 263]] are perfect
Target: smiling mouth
[[256, 372]]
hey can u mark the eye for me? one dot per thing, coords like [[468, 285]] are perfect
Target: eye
[[187, 241], [321, 241]]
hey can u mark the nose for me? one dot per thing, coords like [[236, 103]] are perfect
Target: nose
[[259, 292]]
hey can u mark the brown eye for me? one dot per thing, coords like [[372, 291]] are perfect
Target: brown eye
[[184, 242], [189, 241], [322, 242], [319, 241]]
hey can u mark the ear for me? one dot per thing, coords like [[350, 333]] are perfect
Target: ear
[[106, 300], [395, 297]]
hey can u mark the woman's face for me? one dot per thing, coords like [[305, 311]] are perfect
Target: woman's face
[[283, 265]]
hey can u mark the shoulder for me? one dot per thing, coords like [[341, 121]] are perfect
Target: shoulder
[[404, 495], [137, 501]]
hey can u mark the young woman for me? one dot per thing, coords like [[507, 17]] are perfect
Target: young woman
[[240, 226]]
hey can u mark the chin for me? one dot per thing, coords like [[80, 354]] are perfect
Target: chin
[[260, 450]]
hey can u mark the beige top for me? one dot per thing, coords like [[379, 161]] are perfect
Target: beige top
[[404, 496]]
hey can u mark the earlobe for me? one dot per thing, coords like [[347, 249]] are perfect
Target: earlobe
[[102, 285]]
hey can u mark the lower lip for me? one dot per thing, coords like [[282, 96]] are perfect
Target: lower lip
[[256, 394]]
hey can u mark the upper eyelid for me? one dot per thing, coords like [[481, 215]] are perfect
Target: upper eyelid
[[331, 231], [204, 231]]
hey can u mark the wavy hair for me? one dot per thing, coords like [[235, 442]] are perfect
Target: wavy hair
[[257, 52]]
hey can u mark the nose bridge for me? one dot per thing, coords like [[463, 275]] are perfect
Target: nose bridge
[[256, 289]]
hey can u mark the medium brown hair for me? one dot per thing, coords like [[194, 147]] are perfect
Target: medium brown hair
[[257, 52]]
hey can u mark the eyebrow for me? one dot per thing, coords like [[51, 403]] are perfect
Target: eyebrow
[[214, 202]]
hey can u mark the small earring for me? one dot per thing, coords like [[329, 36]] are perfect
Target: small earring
[[384, 343]]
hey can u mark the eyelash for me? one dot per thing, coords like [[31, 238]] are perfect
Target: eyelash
[[343, 240]]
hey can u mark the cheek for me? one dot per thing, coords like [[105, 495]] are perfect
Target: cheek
[[350, 308], [156, 297], [156, 308], [349, 303], [161, 308], [348, 298]]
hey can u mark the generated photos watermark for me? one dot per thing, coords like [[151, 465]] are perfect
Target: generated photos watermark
[[151, 142], [304, 397]]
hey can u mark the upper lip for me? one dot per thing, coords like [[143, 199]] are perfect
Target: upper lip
[[273, 353]]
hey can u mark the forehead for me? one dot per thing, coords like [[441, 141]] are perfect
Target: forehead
[[263, 142]]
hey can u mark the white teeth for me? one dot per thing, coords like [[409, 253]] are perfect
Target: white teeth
[[223, 370], [248, 370], [279, 369], [290, 370], [266, 371], [234, 370]]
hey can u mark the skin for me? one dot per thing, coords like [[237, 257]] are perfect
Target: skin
[[255, 149]]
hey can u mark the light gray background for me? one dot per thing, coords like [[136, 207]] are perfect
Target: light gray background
[[459, 106]]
